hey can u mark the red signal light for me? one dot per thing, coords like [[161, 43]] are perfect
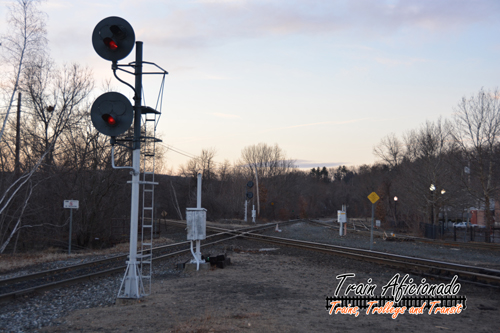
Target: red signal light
[[110, 43], [109, 119]]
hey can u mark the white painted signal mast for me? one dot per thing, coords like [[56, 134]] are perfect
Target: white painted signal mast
[[112, 113]]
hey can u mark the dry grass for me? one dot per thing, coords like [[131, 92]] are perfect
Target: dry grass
[[10, 262], [217, 322]]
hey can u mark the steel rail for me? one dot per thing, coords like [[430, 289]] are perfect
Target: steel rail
[[420, 266], [417, 265], [471, 245], [55, 271], [47, 286]]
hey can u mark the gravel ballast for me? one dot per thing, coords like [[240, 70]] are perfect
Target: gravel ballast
[[263, 278]]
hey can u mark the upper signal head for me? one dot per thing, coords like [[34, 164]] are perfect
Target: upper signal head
[[113, 38]]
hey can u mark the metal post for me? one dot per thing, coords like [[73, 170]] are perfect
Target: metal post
[[246, 208], [396, 211], [198, 205], [198, 253], [132, 278], [70, 229], [258, 198], [467, 225], [198, 196], [371, 229], [344, 209]]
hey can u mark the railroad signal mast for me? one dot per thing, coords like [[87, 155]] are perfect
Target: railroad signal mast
[[248, 196], [112, 114]]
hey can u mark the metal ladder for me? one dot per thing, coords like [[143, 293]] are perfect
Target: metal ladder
[[148, 183]]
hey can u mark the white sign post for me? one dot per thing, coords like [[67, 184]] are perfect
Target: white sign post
[[71, 204]]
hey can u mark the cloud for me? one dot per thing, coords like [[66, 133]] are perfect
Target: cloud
[[306, 164], [212, 22], [319, 123], [224, 115], [221, 1], [430, 15], [399, 62]]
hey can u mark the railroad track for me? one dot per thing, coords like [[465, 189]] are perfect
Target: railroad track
[[402, 238], [428, 267], [55, 278], [15, 287]]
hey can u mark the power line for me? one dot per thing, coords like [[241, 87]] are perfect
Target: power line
[[176, 150], [185, 153]]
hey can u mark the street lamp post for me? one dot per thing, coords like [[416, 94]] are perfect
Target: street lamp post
[[432, 188], [445, 215], [396, 209]]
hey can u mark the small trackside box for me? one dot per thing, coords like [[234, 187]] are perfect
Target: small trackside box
[[196, 223]]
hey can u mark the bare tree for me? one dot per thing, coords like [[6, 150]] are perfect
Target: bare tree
[[390, 150], [54, 100], [203, 164], [477, 134], [426, 153], [6, 199], [266, 162], [25, 41]]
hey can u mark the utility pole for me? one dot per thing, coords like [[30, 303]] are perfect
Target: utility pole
[[18, 136]]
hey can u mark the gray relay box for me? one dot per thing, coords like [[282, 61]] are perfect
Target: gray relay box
[[196, 223]]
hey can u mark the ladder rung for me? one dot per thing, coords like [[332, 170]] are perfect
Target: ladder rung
[[149, 244], [146, 183], [142, 182], [148, 208]]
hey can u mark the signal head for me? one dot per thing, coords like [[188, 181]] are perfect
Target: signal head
[[112, 114], [113, 38]]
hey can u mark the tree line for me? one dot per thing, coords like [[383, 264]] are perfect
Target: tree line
[[50, 152]]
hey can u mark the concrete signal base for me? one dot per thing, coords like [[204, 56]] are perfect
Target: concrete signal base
[[191, 267]]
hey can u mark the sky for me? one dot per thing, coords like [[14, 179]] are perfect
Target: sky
[[325, 80]]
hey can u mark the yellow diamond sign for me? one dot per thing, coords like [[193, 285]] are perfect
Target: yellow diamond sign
[[373, 197]]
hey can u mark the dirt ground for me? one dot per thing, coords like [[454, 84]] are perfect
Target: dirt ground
[[273, 291]]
